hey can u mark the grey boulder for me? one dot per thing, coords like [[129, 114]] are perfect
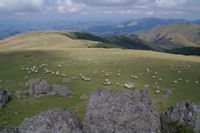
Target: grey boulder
[[38, 86], [124, 111], [60, 90], [4, 97], [186, 113], [9, 130], [51, 121]]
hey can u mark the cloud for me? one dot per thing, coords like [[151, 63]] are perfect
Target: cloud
[[145, 7], [64, 6], [16, 6]]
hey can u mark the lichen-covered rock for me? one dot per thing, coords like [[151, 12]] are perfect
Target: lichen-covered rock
[[124, 111], [9, 130], [60, 90], [186, 114], [51, 121], [4, 97], [38, 86]]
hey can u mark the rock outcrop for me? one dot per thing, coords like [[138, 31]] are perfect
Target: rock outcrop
[[111, 111], [124, 111], [183, 115], [40, 87], [51, 121], [60, 90], [10, 130], [4, 97]]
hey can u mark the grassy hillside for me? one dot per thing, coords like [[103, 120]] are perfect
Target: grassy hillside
[[42, 40], [173, 35], [74, 56]]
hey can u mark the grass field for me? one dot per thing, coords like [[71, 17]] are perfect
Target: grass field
[[76, 58]]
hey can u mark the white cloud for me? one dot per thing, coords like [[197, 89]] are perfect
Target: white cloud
[[16, 6], [169, 3], [141, 7], [64, 6]]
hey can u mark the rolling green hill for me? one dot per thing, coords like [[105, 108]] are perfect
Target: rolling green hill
[[70, 51], [173, 35]]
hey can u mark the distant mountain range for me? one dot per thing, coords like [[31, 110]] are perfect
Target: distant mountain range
[[173, 35], [13, 27]]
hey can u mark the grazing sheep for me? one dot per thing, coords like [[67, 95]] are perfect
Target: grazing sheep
[[129, 85]]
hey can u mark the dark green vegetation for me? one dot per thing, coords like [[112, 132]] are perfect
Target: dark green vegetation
[[185, 51], [75, 57], [180, 128]]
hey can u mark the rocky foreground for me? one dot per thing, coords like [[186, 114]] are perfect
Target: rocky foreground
[[111, 111]]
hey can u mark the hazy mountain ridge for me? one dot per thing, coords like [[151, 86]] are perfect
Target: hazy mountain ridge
[[173, 35], [7, 28]]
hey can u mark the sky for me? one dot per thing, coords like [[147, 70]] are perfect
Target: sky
[[100, 9]]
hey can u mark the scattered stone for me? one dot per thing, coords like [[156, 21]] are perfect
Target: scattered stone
[[156, 73], [87, 79], [60, 90], [134, 76], [187, 81], [186, 113], [29, 72], [124, 111], [57, 73], [107, 82], [156, 87], [51, 121], [64, 75], [157, 91], [4, 97], [153, 77], [117, 84], [74, 77], [84, 97], [175, 81], [129, 85], [196, 82], [106, 75], [168, 91], [66, 80], [148, 70]]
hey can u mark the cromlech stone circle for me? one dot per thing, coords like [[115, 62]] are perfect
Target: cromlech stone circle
[[124, 111], [109, 111], [182, 114], [4, 97]]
